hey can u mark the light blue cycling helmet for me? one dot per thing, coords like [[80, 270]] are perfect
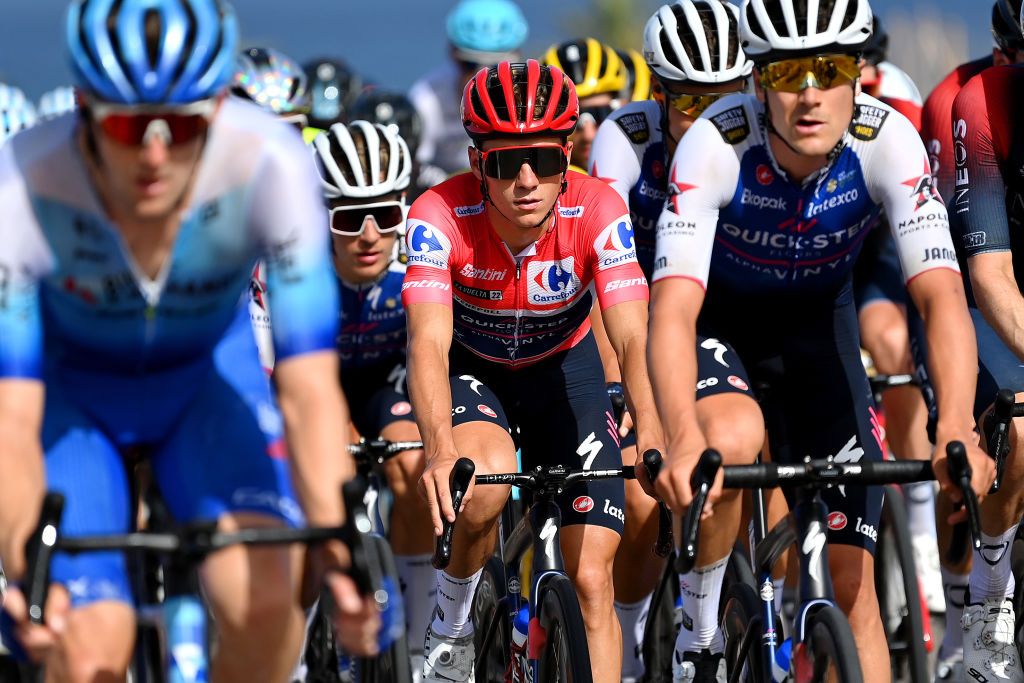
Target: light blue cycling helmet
[[485, 31], [152, 51]]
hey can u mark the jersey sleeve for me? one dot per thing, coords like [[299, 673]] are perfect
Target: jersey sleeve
[[898, 175], [289, 216], [703, 178], [24, 259], [935, 131], [613, 159], [428, 243], [607, 236], [979, 199]]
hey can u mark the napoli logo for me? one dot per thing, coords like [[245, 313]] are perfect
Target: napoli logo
[[621, 237], [422, 239]]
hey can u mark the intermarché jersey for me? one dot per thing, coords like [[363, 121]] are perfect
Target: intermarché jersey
[[66, 274], [629, 154], [518, 309], [988, 199], [772, 235]]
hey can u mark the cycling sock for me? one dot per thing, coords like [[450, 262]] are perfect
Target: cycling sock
[[454, 603], [701, 589], [954, 586], [920, 501], [419, 593], [991, 575], [633, 618]]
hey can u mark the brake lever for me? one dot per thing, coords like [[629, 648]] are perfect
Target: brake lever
[[701, 480], [461, 475]]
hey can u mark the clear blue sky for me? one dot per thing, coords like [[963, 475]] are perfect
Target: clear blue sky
[[391, 41]]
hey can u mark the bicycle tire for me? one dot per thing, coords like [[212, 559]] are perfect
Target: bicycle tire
[[829, 640], [895, 553], [321, 654], [393, 665], [660, 630], [741, 610], [566, 655], [493, 632]]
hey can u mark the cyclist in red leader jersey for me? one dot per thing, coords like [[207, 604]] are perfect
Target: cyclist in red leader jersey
[[506, 261]]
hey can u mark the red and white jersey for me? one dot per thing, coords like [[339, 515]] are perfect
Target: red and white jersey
[[516, 309]]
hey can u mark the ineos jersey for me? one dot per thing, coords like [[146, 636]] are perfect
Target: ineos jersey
[[518, 309], [373, 320], [629, 154], [988, 199], [733, 212], [937, 126], [67, 275]]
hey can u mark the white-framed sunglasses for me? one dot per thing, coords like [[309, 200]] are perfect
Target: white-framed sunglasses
[[350, 221]]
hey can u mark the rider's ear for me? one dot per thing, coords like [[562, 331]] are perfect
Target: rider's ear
[[474, 161], [755, 78]]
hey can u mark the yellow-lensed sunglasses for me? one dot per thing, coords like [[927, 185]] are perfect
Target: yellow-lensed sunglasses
[[821, 72]]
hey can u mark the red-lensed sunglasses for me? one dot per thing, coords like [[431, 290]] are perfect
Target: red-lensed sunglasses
[[134, 126], [504, 163]]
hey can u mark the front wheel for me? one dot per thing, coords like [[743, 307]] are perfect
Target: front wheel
[[741, 613], [829, 653], [566, 656]]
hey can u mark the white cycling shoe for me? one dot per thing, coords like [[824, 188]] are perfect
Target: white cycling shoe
[[448, 659], [926, 560], [950, 668], [698, 667], [990, 653]]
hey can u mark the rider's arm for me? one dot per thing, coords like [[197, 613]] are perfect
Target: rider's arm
[[287, 213], [979, 214], [21, 462], [427, 297], [898, 173], [703, 178]]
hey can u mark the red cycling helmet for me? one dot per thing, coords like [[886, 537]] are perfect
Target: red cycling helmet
[[492, 107]]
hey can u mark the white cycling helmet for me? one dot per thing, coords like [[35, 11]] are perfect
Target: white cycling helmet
[[347, 173], [780, 29], [56, 102], [695, 40]]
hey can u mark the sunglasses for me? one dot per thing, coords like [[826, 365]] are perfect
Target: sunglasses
[[134, 126], [504, 163], [822, 72], [349, 221], [595, 114]]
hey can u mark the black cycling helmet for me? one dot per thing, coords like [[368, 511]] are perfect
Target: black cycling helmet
[[877, 47], [389, 108], [1006, 28], [334, 87]]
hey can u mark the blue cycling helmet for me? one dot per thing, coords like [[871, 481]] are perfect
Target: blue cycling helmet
[[485, 31], [152, 51]]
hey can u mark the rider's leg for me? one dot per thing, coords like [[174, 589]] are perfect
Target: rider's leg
[[96, 645], [732, 424], [589, 553], [411, 532], [637, 569], [853, 577]]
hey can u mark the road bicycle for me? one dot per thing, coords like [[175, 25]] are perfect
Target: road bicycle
[[822, 646], [556, 649]]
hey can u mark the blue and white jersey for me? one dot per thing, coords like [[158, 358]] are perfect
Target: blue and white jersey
[[373, 320], [629, 153], [68, 281], [735, 216]]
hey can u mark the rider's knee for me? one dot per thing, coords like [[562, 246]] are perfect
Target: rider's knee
[[593, 583], [890, 348], [737, 436], [269, 603], [854, 589], [88, 656], [403, 473]]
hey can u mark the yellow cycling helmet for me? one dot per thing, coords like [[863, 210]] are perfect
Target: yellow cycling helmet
[[638, 77], [595, 68]]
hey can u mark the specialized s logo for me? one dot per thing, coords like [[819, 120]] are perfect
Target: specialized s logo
[[615, 245], [428, 246], [552, 281]]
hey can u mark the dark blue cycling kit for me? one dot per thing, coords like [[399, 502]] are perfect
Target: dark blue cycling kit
[[776, 258]]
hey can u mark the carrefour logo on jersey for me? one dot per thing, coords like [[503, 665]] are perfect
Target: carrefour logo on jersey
[[428, 246], [615, 244], [552, 281]]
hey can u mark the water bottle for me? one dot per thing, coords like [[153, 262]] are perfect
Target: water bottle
[[780, 667], [185, 620], [520, 662]]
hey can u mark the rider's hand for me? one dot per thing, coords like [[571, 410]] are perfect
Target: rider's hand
[[644, 444], [983, 468], [625, 425], [357, 622], [673, 485], [39, 640], [435, 485]]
